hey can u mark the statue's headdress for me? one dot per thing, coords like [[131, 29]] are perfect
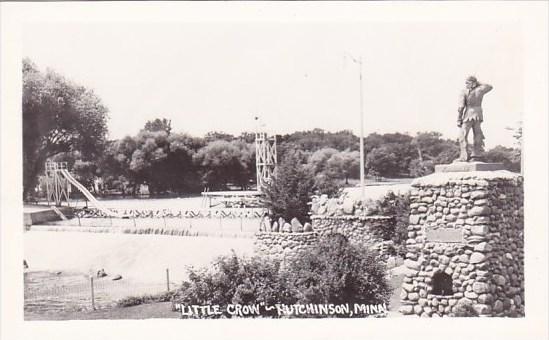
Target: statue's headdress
[[472, 79]]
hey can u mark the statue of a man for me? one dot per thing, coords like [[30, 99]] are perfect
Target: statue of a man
[[470, 117]]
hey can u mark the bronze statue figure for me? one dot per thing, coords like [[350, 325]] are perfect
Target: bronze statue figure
[[470, 117]]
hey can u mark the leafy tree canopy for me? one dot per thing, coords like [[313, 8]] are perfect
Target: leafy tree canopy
[[58, 116], [159, 125]]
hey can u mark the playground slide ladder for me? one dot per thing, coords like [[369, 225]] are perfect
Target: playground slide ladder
[[88, 195]]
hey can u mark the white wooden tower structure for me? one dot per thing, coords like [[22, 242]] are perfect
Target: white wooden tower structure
[[265, 157]]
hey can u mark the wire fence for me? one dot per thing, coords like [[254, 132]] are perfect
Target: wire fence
[[50, 292]]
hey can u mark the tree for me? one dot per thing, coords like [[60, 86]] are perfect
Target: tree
[[317, 139], [427, 144], [58, 116], [319, 159], [382, 161], [420, 168], [181, 173], [431, 147], [115, 165], [223, 162], [344, 165], [248, 137], [213, 136], [159, 125], [501, 154], [164, 162], [448, 155], [147, 161], [288, 193], [400, 149], [517, 135]]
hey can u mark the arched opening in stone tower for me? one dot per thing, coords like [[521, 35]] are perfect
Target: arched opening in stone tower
[[442, 284]]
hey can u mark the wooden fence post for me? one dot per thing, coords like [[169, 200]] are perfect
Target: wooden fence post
[[92, 293], [168, 279]]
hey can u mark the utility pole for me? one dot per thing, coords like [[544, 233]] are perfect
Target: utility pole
[[362, 188], [362, 185]]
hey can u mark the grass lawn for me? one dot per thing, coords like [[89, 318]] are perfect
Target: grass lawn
[[57, 283], [163, 310], [146, 311]]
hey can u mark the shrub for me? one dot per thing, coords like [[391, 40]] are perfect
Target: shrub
[[147, 298], [333, 272], [337, 272], [397, 206], [234, 280]]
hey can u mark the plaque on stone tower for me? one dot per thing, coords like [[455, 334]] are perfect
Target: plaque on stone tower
[[447, 235]]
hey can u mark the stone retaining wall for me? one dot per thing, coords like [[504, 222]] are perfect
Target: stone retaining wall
[[367, 230], [282, 245], [465, 234], [371, 231]]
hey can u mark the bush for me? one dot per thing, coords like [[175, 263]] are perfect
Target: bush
[[234, 280], [338, 272], [397, 206], [147, 298], [333, 272]]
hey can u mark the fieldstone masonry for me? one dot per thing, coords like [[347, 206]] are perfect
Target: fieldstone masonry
[[288, 242], [372, 231], [465, 245], [284, 246]]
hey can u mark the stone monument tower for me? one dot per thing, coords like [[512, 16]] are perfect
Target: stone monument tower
[[465, 246]]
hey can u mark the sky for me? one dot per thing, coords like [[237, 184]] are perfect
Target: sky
[[218, 76]]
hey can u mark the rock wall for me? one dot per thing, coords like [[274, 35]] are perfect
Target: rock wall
[[465, 245], [372, 231], [283, 245]]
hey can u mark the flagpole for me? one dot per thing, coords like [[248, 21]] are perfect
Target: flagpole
[[362, 187]]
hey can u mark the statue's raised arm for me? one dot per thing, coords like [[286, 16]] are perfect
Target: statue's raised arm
[[485, 88]]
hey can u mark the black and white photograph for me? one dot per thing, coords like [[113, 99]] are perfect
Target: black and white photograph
[[275, 162]]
